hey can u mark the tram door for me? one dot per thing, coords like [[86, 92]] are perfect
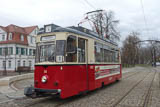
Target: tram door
[[83, 58]]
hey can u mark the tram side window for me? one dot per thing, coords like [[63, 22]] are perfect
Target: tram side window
[[71, 49], [81, 50], [113, 56], [106, 55], [98, 52], [117, 56]]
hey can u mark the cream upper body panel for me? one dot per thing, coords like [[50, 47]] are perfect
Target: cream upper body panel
[[90, 47]]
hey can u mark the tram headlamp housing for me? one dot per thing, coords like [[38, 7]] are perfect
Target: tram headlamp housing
[[44, 79]]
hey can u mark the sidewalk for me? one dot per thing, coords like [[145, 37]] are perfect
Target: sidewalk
[[7, 91]]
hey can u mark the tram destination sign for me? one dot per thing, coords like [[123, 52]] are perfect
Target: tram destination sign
[[48, 38]]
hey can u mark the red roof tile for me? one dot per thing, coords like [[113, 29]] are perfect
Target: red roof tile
[[14, 28], [28, 30], [17, 31]]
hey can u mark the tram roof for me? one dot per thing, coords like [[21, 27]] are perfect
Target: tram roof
[[81, 31]]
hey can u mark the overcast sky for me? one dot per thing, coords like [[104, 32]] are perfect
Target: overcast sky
[[71, 12]]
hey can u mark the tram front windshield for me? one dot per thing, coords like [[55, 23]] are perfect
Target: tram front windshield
[[50, 51]]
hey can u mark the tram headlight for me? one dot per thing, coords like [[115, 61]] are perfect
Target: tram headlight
[[44, 79]]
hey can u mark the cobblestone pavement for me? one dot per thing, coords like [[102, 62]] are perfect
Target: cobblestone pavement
[[138, 88]]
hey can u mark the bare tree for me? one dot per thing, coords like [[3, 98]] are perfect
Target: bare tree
[[104, 23], [130, 50]]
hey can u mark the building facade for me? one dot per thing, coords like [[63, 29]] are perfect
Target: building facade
[[17, 47]]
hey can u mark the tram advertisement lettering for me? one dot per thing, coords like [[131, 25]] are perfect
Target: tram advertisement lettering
[[104, 71]]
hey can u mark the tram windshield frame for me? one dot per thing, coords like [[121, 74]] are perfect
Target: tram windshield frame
[[50, 51]]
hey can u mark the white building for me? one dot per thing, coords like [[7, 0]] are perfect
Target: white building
[[17, 47]]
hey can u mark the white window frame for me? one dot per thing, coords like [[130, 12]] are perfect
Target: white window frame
[[24, 63], [30, 63], [19, 63], [3, 37], [10, 36], [4, 64], [9, 64], [22, 37], [10, 50], [48, 28], [31, 39]]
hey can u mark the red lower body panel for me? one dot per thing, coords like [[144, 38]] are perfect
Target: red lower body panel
[[74, 79]]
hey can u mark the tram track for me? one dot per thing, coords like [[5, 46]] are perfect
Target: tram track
[[146, 101], [128, 80], [147, 96], [129, 76], [62, 102], [129, 91]]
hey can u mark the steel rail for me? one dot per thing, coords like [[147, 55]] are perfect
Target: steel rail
[[147, 98], [130, 90]]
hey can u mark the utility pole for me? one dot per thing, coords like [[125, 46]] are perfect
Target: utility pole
[[154, 58]]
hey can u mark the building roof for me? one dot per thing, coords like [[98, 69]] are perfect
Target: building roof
[[17, 32], [28, 30], [14, 28]]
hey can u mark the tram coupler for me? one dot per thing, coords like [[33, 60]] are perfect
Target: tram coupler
[[35, 93], [30, 92]]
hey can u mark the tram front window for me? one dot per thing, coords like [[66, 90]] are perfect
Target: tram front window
[[47, 53], [51, 52]]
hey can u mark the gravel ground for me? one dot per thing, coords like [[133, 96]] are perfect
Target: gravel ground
[[137, 87]]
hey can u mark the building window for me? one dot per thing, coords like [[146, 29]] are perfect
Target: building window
[[48, 29], [4, 64], [5, 51], [19, 63], [31, 39], [22, 38], [26, 51], [30, 51], [10, 36], [35, 31], [3, 37], [9, 64], [30, 63], [10, 51], [22, 51], [17, 50], [34, 52], [0, 51], [24, 63]]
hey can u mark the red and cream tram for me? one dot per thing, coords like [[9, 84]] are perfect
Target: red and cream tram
[[73, 60]]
